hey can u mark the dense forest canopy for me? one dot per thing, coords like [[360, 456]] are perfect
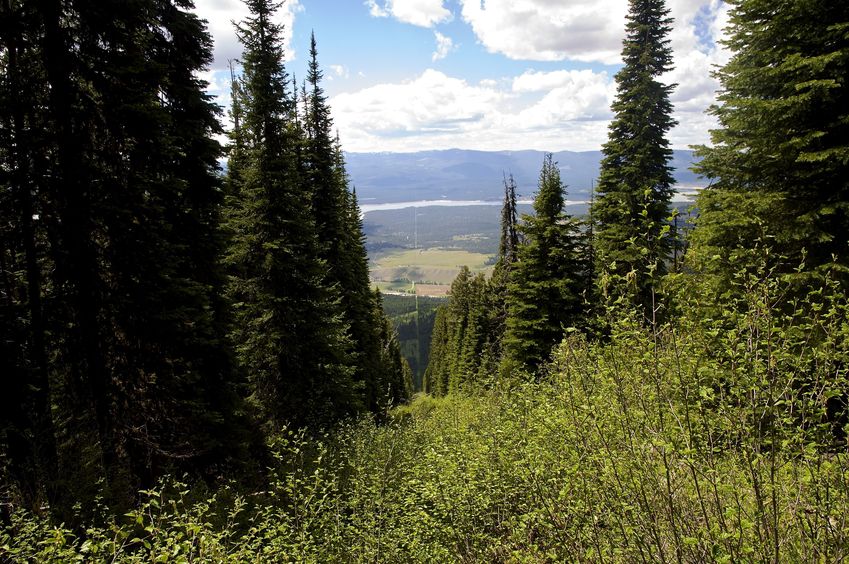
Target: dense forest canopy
[[195, 365]]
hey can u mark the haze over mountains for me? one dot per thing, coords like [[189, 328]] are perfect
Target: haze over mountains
[[477, 175]]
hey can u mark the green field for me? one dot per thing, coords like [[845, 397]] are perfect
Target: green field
[[432, 270]]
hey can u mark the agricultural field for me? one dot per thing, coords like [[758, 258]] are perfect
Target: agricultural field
[[432, 270], [430, 248]]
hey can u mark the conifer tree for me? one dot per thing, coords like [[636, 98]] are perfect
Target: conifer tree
[[497, 290], [381, 368], [289, 327], [635, 182], [437, 372], [342, 246], [27, 432], [508, 243], [547, 282], [459, 336], [779, 164], [120, 172], [329, 189], [393, 379]]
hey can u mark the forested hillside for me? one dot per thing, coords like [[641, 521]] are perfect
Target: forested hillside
[[157, 317], [195, 367]]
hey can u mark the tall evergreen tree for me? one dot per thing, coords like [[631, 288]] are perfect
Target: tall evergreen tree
[[548, 280], [508, 243], [779, 164], [437, 372], [393, 380], [635, 183], [289, 327], [329, 190], [113, 161], [342, 245], [26, 427], [508, 248], [460, 336]]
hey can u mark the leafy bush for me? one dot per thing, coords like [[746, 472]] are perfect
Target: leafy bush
[[718, 436]]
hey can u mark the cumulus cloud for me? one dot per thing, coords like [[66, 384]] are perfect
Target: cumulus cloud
[[439, 111], [338, 71], [698, 27], [541, 30], [563, 109], [570, 96], [423, 13], [431, 103], [592, 31], [444, 45], [220, 15]]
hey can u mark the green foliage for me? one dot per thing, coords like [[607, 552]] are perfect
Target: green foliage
[[460, 334], [499, 285], [289, 326], [413, 318], [547, 282], [635, 182], [779, 159], [713, 438], [110, 188]]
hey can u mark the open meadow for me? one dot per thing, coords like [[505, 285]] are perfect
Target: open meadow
[[432, 270]]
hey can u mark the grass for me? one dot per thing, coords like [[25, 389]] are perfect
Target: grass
[[434, 268]]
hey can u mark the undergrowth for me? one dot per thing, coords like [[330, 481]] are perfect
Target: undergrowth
[[718, 436]]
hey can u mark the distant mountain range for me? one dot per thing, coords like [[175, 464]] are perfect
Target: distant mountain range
[[477, 175]]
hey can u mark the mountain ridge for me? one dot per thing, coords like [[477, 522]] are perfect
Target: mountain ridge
[[462, 174]]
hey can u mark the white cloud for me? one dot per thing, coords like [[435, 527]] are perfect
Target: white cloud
[[438, 111], [592, 31], [377, 10], [444, 45], [533, 81], [542, 30], [433, 102], [570, 96], [220, 15], [563, 109], [339, 71], [696, 30], [423, 13]]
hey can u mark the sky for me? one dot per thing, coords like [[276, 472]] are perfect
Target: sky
[[494, 75]]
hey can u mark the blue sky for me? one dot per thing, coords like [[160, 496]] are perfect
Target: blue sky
[[406, 75]]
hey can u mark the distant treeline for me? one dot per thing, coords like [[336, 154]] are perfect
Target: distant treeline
[[413, 318]]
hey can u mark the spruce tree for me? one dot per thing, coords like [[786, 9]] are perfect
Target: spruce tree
[[329, 189], [508, 248], [289, 327], [342, 245], [27, 432], [779, 163], [113, 177], [635, 182], [137, 185], [459, 336], [381, 369], [547, 282], [393, 378]]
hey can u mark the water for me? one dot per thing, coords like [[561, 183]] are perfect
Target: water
[[446, 203]]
